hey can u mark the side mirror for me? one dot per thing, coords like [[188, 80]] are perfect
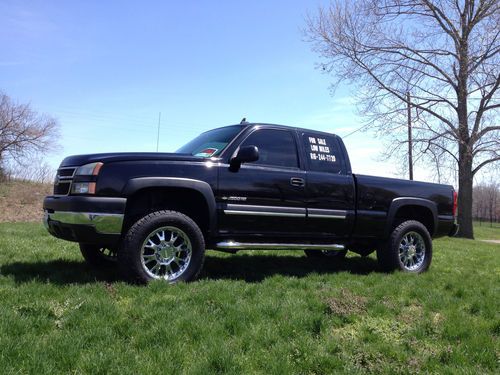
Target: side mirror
[[245, 154]]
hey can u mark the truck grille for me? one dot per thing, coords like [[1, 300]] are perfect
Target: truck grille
[[62, 183]]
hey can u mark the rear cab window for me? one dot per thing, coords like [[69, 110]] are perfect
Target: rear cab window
[[323, 153]]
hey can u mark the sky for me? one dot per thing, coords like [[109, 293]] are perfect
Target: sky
[[107, 69]]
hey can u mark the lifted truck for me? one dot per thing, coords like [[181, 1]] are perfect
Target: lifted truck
[[246, 186]]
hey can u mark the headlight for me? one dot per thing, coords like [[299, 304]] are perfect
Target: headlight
[[91, 169], [83, 188]]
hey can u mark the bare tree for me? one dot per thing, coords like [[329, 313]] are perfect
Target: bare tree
[[34, 169], [23, 132], [487, 201], [445, 53]]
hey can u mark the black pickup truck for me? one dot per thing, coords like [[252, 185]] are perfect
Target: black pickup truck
[[246, 186]]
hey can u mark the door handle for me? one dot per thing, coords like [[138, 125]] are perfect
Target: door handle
[[297, 181]]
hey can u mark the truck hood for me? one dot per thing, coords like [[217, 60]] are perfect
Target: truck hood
[[77, 160]]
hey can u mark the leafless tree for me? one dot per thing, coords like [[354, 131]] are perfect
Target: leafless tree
[[445, 53], [34, 169], [24, 133], [487, 201]]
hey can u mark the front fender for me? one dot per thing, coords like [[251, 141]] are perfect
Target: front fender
[[136, 184]]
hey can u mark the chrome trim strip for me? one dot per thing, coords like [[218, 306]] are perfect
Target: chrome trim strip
[[317, 213], [277, 246], [320, 216], [262, 213], [253, 210], [103, 223], [250, 207]]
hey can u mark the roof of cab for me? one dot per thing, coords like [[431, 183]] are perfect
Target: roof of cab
[[251, 124]]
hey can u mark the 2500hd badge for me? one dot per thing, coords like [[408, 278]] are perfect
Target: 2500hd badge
[[246, 186]]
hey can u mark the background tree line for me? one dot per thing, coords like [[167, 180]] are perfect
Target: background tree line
[[486, 204]]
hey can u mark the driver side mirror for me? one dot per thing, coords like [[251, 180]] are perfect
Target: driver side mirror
[[245, 154]]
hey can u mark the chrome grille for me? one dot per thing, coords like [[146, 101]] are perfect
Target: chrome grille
[[62, 183]]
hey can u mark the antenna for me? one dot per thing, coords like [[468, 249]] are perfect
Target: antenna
[[158, 135]]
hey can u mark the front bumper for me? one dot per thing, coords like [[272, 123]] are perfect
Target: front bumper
[[93, 220]]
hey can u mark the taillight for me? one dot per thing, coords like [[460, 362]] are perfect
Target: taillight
[[455, 203]]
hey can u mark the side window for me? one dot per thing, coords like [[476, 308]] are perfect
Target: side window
[[276, 147], [323, 153]]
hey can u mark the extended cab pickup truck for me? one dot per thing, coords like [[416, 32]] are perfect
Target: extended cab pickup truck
[[246, 186]]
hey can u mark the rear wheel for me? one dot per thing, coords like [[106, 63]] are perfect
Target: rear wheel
[[164, 245], [330, 254], [409, 249], [99, 256]]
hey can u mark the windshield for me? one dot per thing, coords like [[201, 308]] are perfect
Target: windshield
[[212, 142]]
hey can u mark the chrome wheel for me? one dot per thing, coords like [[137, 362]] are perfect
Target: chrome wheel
[[166, 253], [412, 251]]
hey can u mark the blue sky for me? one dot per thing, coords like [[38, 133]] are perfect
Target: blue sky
[[105, 69]]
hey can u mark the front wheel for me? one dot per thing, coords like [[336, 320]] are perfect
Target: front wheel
[[409, 249], [164, 245]]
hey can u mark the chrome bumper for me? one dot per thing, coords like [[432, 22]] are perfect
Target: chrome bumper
[[102, 222]]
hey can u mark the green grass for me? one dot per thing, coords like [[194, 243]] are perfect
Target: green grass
[[487, 231], [261, 312]]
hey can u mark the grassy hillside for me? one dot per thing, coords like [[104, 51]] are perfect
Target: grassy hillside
[[260, 312], [21, 201]]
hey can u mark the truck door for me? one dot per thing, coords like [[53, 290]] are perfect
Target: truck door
[[265, 198], [330, 190]]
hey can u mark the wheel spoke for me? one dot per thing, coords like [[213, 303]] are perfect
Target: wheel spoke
[[161, 235], [156, 269], [173, 237], [412, 251], [171, 249]]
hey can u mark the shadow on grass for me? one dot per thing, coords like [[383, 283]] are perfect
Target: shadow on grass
[[255, 268], [58, 272], [250, 268]]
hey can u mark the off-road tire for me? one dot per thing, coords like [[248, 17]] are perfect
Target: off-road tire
[[99, 256], [334, 255], [388, 254], [130, 256]]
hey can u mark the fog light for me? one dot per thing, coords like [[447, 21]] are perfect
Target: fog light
[[83, 188]]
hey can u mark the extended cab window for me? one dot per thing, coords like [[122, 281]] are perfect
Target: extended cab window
[[323, 153], [276, 147]]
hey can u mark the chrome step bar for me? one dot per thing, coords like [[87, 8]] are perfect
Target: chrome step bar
[[231, 245]]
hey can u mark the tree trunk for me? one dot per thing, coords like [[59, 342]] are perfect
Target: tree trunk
[[465, 174], [465, 193]]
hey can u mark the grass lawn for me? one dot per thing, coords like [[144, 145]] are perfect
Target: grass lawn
[[487, 231], [260, 312]]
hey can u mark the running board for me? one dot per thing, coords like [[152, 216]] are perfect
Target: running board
[[230, 245]]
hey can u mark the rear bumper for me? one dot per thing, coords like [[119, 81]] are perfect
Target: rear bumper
[[92, 220]]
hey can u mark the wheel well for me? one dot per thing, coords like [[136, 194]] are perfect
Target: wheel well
[[418, 213], [187, 201]]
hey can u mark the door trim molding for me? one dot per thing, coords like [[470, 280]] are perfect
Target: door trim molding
[[318, 213], [252, 210]]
